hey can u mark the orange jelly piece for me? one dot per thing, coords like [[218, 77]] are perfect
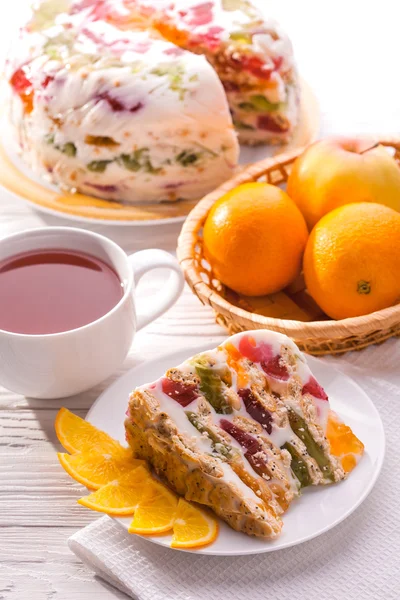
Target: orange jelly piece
[[172, 34], [343, 443], [233, 359]]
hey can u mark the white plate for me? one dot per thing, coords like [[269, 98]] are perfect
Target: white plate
[[318, 509]]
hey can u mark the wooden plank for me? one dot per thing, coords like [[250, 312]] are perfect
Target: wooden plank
[[35, 490], [36, 563]]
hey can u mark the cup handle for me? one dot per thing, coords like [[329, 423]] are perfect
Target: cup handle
[[147, 260]]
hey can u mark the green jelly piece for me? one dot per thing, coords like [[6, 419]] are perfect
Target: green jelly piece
[[138, 160], [261, 103], [186, 158], [298, 465], [241, 125], [247, 106], [98, 166], [69, 149], [223, 372], [129, 162], [216, 443], [175, 74], [148, 167], [300, 428], [211, 387]]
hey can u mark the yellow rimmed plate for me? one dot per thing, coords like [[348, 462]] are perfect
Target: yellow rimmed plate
[[17, 179]]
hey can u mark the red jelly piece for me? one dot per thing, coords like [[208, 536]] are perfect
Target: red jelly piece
[[312, 387], [265, 352], [256, 409], [230, 87], [48, 79], [254, 452], [215, 30], [136, 107], [200, 14], [262, 352], [174, 51], [268, 123], [258, 464], [274, 369], [254, 65], [212, 38], [115, 104], [20, 81], [247, 441], [23, 87], [278, 62], [99, 8], [183, 393], [142, 47]]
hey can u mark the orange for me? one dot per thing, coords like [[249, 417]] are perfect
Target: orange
[[254, 239], [156, 511], [121, 496], [352, 260], [95, 469], [343, 443], [193, 527], [77, 435]]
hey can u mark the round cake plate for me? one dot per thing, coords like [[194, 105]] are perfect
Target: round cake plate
[[319, 508], [16, 178]]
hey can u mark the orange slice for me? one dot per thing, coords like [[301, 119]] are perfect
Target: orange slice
[[77, 435], [155, 513], [119, 497], [193, 527], [95, 469]]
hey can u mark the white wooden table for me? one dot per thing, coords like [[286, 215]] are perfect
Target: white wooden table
[[347, 52]]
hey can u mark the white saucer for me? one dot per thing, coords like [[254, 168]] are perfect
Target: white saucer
[[318, 509]]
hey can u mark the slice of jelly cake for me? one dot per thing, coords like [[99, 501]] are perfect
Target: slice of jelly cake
[[242, 428]]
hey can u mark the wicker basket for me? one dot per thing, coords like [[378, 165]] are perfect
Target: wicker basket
[[299, 317]]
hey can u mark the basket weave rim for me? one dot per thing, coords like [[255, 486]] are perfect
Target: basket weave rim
[[299, 329]]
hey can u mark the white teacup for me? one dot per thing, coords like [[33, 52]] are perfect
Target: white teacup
[[62, 364]]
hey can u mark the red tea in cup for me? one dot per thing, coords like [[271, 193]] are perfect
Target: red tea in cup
[[50, 291]]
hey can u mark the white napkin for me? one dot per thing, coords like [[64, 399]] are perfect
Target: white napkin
[[357, 560]]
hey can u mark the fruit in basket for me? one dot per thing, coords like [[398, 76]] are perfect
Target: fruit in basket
[[254, 239], [352, 260], [338, 171]]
